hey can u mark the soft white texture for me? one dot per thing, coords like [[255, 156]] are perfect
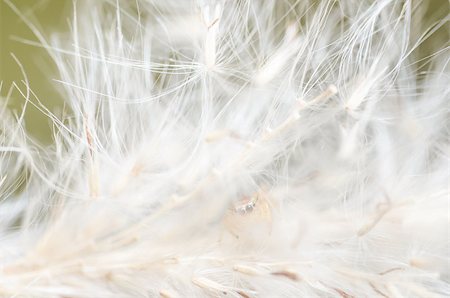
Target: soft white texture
[[234, 149]]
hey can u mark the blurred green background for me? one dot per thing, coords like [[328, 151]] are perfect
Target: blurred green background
[[49, 16]]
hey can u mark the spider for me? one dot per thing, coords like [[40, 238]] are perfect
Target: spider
[[250, 214], [248, 206]]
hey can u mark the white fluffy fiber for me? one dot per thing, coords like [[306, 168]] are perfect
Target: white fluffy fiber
[[234, 149]]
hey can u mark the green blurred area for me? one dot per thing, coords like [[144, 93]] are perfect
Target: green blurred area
[[47, 16]]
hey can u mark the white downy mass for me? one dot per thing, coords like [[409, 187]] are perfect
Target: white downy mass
[[234, 149]]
